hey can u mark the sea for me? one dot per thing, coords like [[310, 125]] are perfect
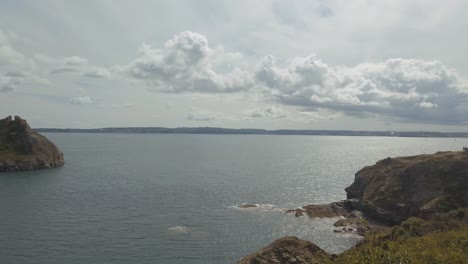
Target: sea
[[156, 198]]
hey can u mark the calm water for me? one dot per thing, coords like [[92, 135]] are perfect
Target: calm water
[[172, 198]]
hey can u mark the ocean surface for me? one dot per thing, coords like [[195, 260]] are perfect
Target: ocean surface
[[148, 198]]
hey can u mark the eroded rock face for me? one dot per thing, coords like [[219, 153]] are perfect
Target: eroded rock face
[[288, 250], [397, 188], [389, 192], [21, 148], [326, 210], [334, 209]]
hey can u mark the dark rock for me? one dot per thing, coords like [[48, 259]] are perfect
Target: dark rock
[[397, 188], [297, 212], [353, 223], [245, 206], [326, 210], [21, 148], [288, 250]]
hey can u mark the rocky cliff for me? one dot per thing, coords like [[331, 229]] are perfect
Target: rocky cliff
[[397, 188], [392, 191], [21, 148]]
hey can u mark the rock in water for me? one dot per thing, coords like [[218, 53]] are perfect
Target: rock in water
[[23, 149]]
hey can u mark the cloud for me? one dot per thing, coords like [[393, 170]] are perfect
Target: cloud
[[96, 72], [82, 100], [75, 61], [288, 114], [404, 90], [265, 112], [407, 89], [16, 69], [200, 116], [301, 72], [324, 10], [11, 80], [9, 56], [75, 65], [427, 105], [123, 105], [187, 64]]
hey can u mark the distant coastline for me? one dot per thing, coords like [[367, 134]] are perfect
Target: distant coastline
[[232, 131]]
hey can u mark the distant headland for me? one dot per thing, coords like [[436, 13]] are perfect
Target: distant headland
[[249, 131], [22, 148]]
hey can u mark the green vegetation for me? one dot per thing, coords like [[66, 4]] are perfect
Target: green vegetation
[[443, 239], [392, 192], [437, 247]]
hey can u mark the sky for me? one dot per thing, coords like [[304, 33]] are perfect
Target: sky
[[318, 64]]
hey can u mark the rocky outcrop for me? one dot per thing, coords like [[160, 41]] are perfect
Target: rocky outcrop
[[246, 206], [389, 192], [325, 210], [22, 149], [397, 188], [321, 210], [288, 250], [354, 223]]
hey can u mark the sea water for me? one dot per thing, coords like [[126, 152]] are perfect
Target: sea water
[[149, 198]]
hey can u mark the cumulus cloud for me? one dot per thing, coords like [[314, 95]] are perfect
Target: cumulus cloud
[[186, 63], [81, 100], [407, 89]]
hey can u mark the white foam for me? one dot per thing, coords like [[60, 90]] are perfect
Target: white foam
[[179, 230], [258, 207]]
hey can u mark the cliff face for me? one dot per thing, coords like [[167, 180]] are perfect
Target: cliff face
[[397, 188], [391, 191], [21, 148]]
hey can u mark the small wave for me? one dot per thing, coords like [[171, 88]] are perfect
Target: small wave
[[257, 207], [179, 230]]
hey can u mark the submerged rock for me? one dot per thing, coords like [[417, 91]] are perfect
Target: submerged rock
[[22, 149]]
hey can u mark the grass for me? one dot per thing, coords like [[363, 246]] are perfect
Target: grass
[[443, 239], [437, 247]]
